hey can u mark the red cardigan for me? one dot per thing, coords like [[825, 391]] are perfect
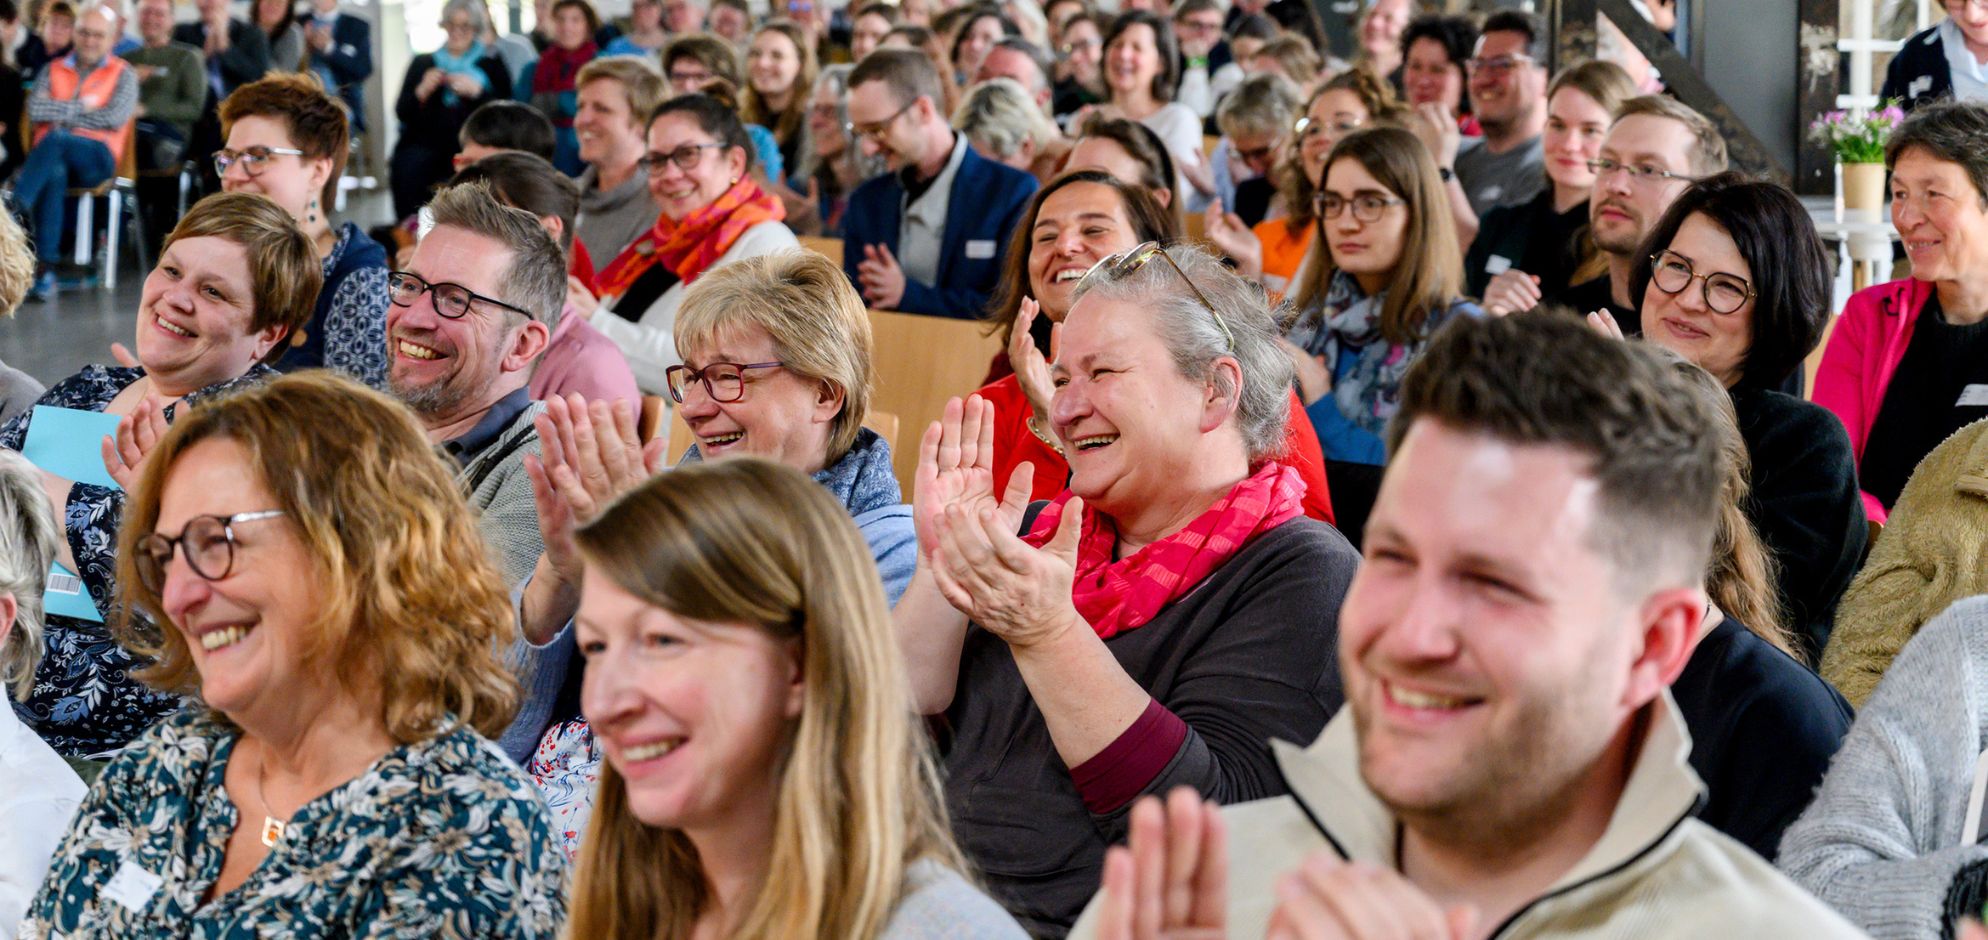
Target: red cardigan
[[1015, 443], [1870, 338]]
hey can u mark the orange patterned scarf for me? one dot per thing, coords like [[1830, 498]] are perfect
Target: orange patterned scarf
[[695, 242]]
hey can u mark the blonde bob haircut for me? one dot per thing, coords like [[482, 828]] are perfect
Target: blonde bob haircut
[[642, 84], [1429, 273], [413, 609], [284, 272], [802, 300], [755, 542]]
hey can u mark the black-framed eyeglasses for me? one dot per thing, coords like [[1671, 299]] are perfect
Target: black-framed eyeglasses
[[684, 81], [876, 131], [1497, 66], [723, 381], [1132, 259], [253, 159], [1602, 166], [686, 157], [451, 300], [1724, 293], [208, 543], [1367, 207]]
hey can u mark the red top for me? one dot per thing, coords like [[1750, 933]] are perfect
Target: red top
[[1015, 443], [582, 264]]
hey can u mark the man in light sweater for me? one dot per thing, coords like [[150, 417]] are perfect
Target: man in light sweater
[[1509, 760]]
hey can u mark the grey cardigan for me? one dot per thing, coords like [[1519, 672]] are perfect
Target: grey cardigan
[[609, 221], [939, 904], [1881, 841]]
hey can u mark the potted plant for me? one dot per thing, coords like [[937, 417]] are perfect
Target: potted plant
[[1858, 141]]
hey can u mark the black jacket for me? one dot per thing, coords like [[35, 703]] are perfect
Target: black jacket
[[246, 60], [1919, 72]]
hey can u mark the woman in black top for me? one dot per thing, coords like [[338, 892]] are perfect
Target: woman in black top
[[1532, 250], [436, 97], [1737, 282]]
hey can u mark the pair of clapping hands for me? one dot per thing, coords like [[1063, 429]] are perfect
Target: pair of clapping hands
[[1170, 882], [590, 455]]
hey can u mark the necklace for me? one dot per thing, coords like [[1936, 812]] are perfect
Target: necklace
[[272, 828]]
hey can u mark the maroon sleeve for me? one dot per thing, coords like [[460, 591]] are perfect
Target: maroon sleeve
[[1123, 769]]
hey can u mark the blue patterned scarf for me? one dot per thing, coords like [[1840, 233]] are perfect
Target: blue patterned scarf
[[465, 64], [1349, 321]]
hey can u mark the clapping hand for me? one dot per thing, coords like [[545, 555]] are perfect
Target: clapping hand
[[1314, 377], [592, 454], [1170, 881], [467, 86], [956, 469], [1511, 291], [1031, 367], [1228, 233], [137, 434], [881, 278], [1436, 126], [1603, 322]]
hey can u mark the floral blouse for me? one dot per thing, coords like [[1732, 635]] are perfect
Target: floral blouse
[[440, 838], [84, 700]]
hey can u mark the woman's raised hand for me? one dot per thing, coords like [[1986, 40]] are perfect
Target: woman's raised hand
[[956, 470], [137, 435], [1031, 367], [1236, 240], [592, 454]]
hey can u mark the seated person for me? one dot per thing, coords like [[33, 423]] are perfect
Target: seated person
[[1079, 65], [236, 278], [904, 245], [577, 360], [18, 390], [1904, 366], [1139, 86], [1255, 122], [1886, 841], [1508, 754], [792, 308], [1002, 124], [1507, 73], [1161, 621], [81, 113], [53, 37], [172, 94], [757, 577], [775, 93], [1131, 152], [702, 63], [1383, 278], [1738, 284], [1073, 223], [713, 212], [1203, 54], [341, 55], [42, 792], [288, 139], [1533, 249], [550, 84], [438, 94], [501, 126], [318, 585], [616, 96]]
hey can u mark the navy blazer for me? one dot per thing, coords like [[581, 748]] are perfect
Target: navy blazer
[[348, 63], [988, 200]]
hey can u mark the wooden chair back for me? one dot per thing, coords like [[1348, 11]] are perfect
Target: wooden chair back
[[831, 247], [918, 363]]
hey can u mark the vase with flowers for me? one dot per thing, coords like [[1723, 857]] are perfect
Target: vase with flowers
[[1858, 140]]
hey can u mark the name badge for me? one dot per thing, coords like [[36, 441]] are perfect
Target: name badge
[[979, 250], [1972, 396], [1497, 264], [1919, 86], [132, 886]]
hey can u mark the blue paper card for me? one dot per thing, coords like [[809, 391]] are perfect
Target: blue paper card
[[69, 443]]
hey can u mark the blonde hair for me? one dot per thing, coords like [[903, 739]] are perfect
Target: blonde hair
[[17, 265], [642, 84], [28, 540], [752, 541], [999, 115], [411, 599], [819, 326]]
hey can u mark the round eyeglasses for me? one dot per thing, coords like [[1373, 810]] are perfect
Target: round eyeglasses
[[208, 542], [1724, 293]]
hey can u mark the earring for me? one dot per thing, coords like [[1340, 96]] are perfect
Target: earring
[[735, 181], [311, 213]]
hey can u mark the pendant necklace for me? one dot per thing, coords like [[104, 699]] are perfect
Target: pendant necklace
[[272, 828]]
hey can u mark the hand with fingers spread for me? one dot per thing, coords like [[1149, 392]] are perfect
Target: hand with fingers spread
[[592, 454], [956, 469], [1014, 590], [1328, 898], [1436, 125], [137, 434], [1511, 291], [1170, 881], [1314, 376], [1031, 367], [880, 277]]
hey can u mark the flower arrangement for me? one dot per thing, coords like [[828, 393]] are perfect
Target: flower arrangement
[[1858, 139]]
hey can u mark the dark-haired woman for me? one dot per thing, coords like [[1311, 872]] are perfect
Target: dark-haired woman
[[1141, 73], [1738, 283], [700, 173], [551, 83]]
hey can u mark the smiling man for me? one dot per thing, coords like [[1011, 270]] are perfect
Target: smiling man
[[1508, 96], [1509, 760]]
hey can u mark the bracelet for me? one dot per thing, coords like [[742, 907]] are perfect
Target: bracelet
[[1035, 428]]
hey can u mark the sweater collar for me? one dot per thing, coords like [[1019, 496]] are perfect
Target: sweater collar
[[861, 479]]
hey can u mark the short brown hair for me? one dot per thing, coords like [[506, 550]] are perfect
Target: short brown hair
[[315, 121], [526, 181], [285, 274], [1953, 131], [535, 280], [586, 9], [908, 73], [1295, 55], [641, 84], [411, 596], [712, 52], [1544, 378], [1708, 146]]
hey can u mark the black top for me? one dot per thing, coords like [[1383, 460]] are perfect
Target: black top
[[1805, 504], [649, 287], [1068, 97], [1763, 729], [1940, 385], [1247, 656], [1589, 296], [436, 123], [1530, 237], [1253, 197]]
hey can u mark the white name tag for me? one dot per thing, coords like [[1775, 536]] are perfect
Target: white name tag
[[977, 250], [1497, 264], [1972, 396], [132, 886], [1919, 86]]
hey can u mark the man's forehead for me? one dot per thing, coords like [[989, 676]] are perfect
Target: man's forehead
[[1648, 136], [459, 256]]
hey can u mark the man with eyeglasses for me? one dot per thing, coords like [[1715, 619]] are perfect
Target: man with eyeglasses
[[1508, 95], [1946, 60], [81, 112], [1203, 52], [928, 236], [467, 321]]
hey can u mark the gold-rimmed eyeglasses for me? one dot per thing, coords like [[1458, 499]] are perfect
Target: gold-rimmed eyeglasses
[[1132, 259]]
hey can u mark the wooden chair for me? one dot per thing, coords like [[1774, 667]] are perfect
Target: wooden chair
[[831, 247], [1196, 229], [650, 421], [919, 362]]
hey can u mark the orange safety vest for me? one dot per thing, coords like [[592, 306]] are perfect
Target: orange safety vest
[[94, 92]]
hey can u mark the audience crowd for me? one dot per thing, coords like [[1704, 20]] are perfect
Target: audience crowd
[[1417, 494]]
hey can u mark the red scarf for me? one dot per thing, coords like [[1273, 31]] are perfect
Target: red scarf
[[1116, 596], [694, 243], [559, 66]]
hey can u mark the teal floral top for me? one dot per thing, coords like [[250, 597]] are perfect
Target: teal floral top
[[440, 838]]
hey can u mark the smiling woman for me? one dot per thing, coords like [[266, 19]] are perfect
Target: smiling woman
[[235, 279]]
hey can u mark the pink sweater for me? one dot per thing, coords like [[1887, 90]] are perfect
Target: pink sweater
[[579, 359], [1863, 352]]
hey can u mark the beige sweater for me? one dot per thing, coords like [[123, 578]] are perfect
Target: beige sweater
[[1933, 553]]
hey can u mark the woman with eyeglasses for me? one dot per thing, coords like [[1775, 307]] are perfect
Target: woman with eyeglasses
[[235, 280], [1271, 250], [836, 166], [713, 212], [437, 95], [1736, 281], [287, 140], [1155, 625], [298, 562], [776, 365], [1382, 276], [1079, 64], [1536, 249]]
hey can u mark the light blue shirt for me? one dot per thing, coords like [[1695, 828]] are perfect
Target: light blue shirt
[[1970, 79]]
